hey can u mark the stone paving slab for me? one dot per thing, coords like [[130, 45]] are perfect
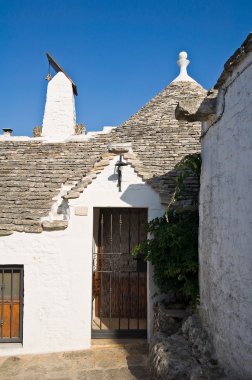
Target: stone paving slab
[[104, 362]]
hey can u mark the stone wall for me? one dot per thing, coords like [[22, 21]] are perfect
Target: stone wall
[[226, 219], [181, 348]]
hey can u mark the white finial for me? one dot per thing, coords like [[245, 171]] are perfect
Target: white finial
[[183, 62]]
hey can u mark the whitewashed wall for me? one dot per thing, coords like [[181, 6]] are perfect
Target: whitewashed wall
[[58, 267], [226, 225]]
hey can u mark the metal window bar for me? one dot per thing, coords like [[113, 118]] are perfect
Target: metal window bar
[[119, 272], [101, 244], [2, 305], [128, 300], [11, 304], [8, 303], [129, 287], [110, 265], [138, 287]]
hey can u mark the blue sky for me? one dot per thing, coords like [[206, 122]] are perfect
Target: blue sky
[[120, 53]]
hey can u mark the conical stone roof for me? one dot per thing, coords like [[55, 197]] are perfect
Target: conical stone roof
[[32, 172]]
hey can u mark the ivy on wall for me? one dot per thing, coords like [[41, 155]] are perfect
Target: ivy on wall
[[173, 244]]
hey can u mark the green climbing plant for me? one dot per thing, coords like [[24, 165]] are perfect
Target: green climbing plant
[[173, 244]]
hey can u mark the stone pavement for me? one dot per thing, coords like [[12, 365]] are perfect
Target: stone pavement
[[124, 361]]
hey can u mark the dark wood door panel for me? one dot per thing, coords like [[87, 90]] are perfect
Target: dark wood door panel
[[119, 280]]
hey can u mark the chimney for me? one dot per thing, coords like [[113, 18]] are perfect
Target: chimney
[[7, 132], [59, 117]]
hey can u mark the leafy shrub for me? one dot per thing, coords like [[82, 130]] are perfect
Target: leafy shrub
[[173, 244], [173, 250]]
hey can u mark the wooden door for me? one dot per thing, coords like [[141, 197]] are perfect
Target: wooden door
[[119, 280]]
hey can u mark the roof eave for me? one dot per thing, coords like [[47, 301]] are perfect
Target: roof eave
[[238, 56]]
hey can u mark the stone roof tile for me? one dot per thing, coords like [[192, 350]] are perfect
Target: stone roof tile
[[32, 172]]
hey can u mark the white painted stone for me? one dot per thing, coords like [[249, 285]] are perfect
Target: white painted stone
[[225, 239], [59, 116], [183, 62], [58, 267], [19, 138], [108, 128], [46, 139], [81, 211]]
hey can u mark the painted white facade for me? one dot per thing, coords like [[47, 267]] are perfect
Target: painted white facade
[[226, 223], [59, 116], [58, 267]]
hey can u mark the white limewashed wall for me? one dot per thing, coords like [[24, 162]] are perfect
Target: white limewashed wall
[[226, 224], [58, 267]]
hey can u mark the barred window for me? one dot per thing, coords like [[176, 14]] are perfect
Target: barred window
[[11, 303]]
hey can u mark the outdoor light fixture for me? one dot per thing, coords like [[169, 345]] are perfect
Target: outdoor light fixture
[[119, 166]]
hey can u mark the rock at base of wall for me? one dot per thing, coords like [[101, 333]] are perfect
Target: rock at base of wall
[[170, 358], [187, 354], [168, 320]]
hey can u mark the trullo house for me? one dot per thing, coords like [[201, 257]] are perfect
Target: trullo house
[[72, 207]]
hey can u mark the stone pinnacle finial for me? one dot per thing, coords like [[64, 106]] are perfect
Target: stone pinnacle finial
[[183, 62]]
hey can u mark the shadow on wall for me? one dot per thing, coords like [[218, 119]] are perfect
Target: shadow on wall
[[63, 209], [164, 185], [135, 195], [113, 177]]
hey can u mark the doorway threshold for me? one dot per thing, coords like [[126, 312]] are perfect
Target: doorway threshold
[[120, 342]]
